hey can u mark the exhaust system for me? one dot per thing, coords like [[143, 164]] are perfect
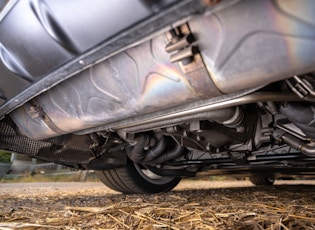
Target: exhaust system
[[177, 69], [307, 148]]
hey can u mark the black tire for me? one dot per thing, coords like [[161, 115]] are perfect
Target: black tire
[[262, 180], [132, 179]]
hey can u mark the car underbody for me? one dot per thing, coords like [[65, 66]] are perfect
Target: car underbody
[[188, 87]]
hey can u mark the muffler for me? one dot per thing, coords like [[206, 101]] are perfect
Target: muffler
[[248, 45]]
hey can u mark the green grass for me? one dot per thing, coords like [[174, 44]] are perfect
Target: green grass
[[5, 156]]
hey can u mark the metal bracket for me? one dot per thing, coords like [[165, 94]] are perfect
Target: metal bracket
[[302, 88], [181, 46]]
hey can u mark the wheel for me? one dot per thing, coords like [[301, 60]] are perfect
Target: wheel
[[262, 180], [134, 178]]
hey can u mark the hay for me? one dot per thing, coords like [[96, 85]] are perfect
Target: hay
[[278, 207]]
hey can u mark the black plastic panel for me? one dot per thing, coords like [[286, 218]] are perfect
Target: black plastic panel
[[37, 36]]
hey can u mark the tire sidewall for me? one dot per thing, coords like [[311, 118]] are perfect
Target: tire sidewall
[[146, 184]]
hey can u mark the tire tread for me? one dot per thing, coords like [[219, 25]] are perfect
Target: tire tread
[[128, 180], [262, 180]]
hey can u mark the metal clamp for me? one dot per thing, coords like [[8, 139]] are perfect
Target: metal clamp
[[302, 88], [181, 44]]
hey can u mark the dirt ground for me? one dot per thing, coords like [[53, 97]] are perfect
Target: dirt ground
[[191, 205]]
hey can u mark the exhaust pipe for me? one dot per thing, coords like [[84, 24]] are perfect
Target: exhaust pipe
[[307, 149]]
